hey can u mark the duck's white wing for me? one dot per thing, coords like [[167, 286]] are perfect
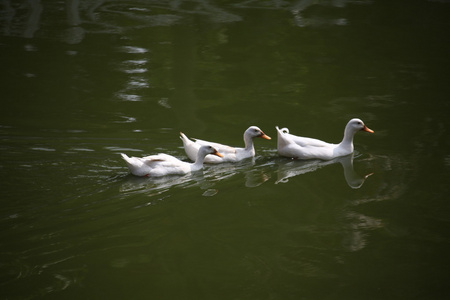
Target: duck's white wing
[[223, 149], [164, 164], [304, 141], [287, 146], [160, 157], [300, 140], [162, 160]]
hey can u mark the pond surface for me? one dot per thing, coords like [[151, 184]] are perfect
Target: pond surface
[[83, 81]]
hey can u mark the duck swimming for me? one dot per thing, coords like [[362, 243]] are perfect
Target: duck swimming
[[230, 154], [164, 164], [297, 147]]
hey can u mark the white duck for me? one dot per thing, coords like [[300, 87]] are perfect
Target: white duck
[[230, 154], [307, 148], [164, 164]]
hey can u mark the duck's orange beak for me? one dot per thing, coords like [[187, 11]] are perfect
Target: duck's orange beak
[[218, 154], [264, 136], [365, 128]]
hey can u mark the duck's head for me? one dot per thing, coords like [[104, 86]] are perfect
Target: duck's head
[[254, 131], [358, 125], [209, 150]]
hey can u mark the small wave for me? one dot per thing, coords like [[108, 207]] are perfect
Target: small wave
[[43, 149], [119, 149]]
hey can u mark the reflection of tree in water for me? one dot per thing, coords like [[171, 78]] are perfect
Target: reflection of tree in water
[[176, 69], [26, 18]]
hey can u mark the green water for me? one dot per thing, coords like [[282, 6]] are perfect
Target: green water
[[83, 81]]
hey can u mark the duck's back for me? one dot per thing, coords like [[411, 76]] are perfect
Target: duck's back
[[164, 164], [223, 149], [305, 141]]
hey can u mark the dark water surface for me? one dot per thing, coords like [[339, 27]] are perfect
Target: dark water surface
[[82, 81]]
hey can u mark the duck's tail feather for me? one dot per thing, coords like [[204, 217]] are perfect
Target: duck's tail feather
[[184, 138], [283, 139], [282, 130], [125, 157]]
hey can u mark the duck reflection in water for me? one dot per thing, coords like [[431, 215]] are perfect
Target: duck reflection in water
[[205, 179], [159, 185], [254, 174], [295, 167]]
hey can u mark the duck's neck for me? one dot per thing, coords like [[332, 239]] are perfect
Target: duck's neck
[[347, 141], [198, 164], [248, 140]]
